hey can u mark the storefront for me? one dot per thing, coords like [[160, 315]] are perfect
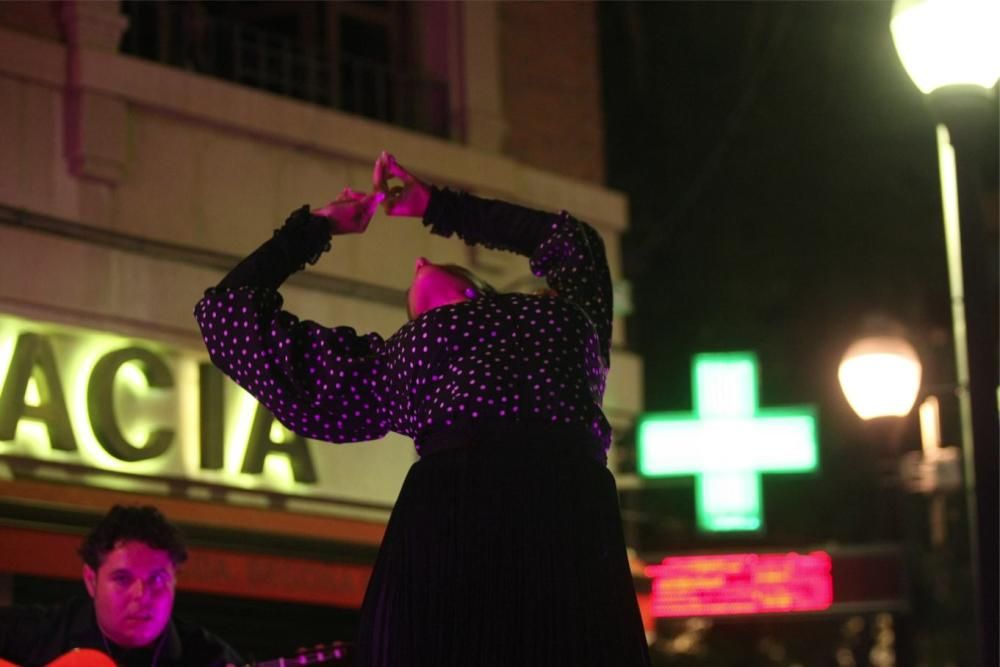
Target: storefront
[[90, 418], [131, 187]]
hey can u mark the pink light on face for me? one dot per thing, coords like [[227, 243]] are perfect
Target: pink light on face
[[729, 584], [434, 286], [133, 593]]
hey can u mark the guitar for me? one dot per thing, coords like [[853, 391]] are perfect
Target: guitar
[[78, 657], [85, 657]]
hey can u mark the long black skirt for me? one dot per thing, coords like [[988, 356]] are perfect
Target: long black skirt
[[504, 554]]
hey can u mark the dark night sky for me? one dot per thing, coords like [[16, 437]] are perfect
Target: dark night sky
[[782, 173]]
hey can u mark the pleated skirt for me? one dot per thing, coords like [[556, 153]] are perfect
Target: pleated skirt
[[505, 554]]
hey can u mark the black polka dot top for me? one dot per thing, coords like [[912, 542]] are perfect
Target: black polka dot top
[[518, 357]]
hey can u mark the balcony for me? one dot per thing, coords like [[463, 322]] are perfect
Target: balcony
[[186, 35]]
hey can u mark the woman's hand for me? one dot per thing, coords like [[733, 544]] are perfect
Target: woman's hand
[[351, 212], [410, 199]]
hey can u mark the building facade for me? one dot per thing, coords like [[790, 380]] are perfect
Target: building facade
[[146, 148]]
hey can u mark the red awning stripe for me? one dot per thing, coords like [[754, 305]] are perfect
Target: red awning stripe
[[216, 571]]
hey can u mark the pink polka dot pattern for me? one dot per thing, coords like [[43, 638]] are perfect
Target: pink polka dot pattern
[[512, 356]]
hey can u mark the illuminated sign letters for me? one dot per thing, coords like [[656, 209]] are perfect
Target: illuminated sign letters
[[101, 410], [45, 406], [261, 444], [728, 442], [33, 353]]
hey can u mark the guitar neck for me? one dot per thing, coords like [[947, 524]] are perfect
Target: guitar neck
[[334, 653], [290, 662]]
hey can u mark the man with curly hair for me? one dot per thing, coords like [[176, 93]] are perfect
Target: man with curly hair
[[130, 564]]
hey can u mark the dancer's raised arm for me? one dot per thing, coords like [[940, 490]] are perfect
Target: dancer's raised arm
[[567, 252], [316, 380]]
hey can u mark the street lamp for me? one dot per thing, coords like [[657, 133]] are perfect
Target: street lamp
[[951, 50], [948, 42], [880, 376]]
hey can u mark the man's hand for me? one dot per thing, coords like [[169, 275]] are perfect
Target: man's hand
[[351, 212], [411, 198]]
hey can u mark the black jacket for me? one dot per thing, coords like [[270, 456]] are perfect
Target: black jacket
[[34, 635]]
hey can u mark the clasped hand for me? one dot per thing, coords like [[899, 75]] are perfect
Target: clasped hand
[[352, 211]]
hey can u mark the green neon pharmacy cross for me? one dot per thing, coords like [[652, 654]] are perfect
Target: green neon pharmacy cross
[[728, 442]]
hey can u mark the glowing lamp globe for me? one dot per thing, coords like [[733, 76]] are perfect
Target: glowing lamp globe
[[948, 42], [880, 376]]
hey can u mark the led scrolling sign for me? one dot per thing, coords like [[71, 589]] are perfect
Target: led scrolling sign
[[739, 584]]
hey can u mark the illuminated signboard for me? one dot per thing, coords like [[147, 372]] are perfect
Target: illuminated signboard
[[98, 401], [731, 584], [727, 442]]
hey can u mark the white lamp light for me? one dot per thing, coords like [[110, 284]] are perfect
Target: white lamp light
[[880, 376], [948, 42]]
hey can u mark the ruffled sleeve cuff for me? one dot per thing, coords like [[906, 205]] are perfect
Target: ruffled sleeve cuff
[[441, 215], [301, 240]]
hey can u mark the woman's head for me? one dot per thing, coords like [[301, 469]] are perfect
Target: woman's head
[[437, 285]]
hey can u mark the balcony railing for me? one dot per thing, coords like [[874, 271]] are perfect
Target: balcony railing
[[179, 35]]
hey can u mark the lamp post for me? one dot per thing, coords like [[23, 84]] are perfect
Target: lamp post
[[880, 377], [951, 51]]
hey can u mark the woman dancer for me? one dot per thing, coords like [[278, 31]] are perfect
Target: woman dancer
[[505, 545]]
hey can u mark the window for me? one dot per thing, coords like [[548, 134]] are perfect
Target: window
[[352, 56]]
